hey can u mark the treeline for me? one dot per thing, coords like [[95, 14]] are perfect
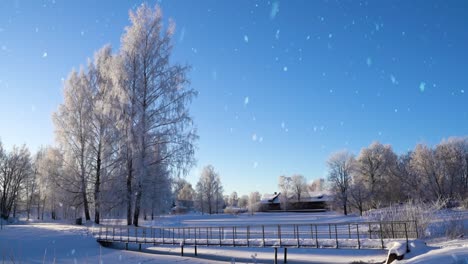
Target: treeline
[[379, 177], [123, 132]]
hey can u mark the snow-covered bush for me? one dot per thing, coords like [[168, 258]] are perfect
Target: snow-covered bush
[[424, 214], [464, 203]]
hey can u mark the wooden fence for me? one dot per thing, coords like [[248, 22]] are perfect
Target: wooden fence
[[323, 235]]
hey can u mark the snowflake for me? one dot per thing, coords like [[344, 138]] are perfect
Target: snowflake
[[274, 10], [369, 61], [255, 165], [260, 139], [44, 55], [285, 68], [246, 100], [462, 91], [393, 79], [422, 86], [254, 137], [308, 37], [246, 39], [277, 35]]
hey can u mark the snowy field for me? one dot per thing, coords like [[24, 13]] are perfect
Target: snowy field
[[36, 242], [198, 220]]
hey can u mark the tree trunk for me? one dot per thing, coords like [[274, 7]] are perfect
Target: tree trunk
[[97, 184], [129, 191], [136, 214]]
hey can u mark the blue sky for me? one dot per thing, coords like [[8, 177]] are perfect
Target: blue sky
[[282, 84]]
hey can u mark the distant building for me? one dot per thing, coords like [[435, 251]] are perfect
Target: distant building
[[313, 202]]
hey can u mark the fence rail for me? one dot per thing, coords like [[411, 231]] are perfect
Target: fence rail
[[323, 235]]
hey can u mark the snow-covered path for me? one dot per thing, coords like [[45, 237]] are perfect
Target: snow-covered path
[[46, 242]]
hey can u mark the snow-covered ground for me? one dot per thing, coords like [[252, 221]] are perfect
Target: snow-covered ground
[[60, 242]]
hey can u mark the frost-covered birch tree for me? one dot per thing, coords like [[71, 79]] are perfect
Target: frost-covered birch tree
[[340, 168], [73, 127], [157, 103]]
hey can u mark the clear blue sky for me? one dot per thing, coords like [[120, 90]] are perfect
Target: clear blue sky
[[282, 84]]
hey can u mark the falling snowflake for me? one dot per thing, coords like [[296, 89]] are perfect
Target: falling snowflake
[[255, 165], [330, 35], [260, 139], [254, 137], [246, 100], [4, 48], [274, 10], [369, 61], [246, 39], [422, 86], [462, 91], [44, 55], [393, 79], [285, 68], [283, 125], [308, 37], [73, 252], [396, 110], [277, 35]]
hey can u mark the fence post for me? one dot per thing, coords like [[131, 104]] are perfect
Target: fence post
[[297, 232], [358, 241], [279, 234], [106, 233], [248, 236], [220, 237], [128, 234], [381, 235], [336, 236], [370, 233], [100, 230], [207, 236], [349, 230], [285, 255], [195, 241], [406, 235], [233, 236], [329, 230], [263, 235], [173, 236], [113, 233], [316, 237]]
